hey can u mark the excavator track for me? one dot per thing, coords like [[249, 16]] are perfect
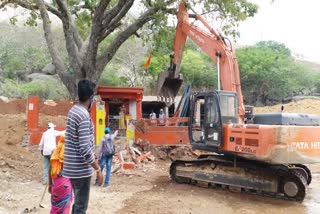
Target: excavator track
[[242, 175]]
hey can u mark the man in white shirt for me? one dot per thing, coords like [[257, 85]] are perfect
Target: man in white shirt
[[47, 146]]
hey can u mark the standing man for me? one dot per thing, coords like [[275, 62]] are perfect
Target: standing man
[[47, 146], [80, 163]]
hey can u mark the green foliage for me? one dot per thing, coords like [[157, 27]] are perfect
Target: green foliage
[[11, 89], [83, 23], [48, 89], [269, 73], [198, 70], [110, 76], [230, 13], [156, 65], [17, 55]]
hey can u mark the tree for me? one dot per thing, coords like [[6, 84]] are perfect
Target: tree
[[269, 73], [131, 56], [87, 23], [199, 70]]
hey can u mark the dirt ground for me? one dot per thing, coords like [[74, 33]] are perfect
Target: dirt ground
[[143, 190], [149, 191], [308, 106]]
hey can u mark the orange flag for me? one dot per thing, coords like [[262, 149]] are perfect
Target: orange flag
[[147, 64]]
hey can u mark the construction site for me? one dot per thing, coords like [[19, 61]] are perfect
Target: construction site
[[218, 132], [147, 188]]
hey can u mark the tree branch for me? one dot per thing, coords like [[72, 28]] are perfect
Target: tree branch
[[122, 37], [101, 7], [108, 31], [70, 34], [29, 6], [54, 53], [122, 7]]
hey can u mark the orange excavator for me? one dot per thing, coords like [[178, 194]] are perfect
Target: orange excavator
[[267, 156]]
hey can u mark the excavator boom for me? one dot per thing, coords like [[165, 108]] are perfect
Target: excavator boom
[[214, 45]]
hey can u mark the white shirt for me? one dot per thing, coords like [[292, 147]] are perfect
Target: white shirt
[[48, 141], [162, 116], [153, 116]]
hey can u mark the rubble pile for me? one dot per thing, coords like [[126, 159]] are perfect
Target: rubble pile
[[133, 156]]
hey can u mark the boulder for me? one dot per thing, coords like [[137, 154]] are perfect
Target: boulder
[[49, 69], [40, 76], [21, 75]]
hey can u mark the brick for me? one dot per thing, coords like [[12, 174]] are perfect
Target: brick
[[143, 157], [128, 165]]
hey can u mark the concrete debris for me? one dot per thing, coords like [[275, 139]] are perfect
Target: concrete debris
[[132, 157]]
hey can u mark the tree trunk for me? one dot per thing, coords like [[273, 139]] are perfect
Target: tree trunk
[[71, 84]]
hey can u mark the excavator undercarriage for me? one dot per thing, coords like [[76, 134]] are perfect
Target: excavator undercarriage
[[243, 175]]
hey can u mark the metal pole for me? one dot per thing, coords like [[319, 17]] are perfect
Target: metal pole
[[218, 68]]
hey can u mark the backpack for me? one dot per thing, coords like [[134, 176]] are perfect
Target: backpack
[[108, 148]]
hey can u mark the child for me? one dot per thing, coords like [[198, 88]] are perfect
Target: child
[[106, 151]]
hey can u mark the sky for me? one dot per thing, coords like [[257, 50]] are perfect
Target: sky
[[292, 22]]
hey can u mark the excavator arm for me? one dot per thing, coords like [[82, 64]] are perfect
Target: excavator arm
[[213, 44]]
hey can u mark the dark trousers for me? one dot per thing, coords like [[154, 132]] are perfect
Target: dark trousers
[[81, 189]]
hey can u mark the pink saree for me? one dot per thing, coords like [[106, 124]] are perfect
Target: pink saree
[[61, 195]]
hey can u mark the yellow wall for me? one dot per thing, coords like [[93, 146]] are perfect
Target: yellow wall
[[100, 121]]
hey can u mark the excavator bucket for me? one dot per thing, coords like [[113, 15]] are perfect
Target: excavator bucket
[[168, 85]]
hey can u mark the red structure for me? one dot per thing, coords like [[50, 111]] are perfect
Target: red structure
[[33, 110], [168, 133], [115, 97]]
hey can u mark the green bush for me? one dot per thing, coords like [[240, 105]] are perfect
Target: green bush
[[45, 89]]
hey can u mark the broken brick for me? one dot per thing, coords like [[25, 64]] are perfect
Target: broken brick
[[143, 157], [128, 165]]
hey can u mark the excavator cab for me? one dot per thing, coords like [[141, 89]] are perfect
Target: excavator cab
[[208, 111]]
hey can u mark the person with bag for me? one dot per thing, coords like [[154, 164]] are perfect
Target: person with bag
[[106, 151]]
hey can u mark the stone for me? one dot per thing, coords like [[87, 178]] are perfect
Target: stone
[[49, 69], [40, 76], [21, 75]]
